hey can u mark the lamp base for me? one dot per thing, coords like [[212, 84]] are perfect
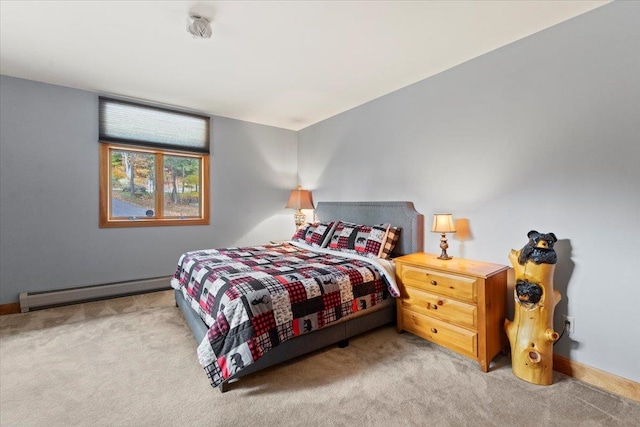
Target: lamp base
[[444, 245], [299, 218]]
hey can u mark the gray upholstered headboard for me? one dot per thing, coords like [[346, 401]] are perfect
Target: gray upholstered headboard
[[399, 214]]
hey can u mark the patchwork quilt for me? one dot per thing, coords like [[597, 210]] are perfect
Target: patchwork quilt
[[255, 298]]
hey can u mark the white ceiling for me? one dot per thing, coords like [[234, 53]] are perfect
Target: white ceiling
[[282, 63]]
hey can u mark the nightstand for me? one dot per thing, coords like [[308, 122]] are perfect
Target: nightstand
[[459, 304]]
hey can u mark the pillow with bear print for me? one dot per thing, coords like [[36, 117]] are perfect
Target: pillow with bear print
[[316, 234], [298, 236], [366, 240]]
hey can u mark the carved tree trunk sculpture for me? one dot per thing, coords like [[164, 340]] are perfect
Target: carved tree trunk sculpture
[[531, 333]]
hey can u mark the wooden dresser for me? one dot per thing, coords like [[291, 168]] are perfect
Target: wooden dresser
[[459, 304]]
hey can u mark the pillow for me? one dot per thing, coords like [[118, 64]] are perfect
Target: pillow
[[392, 238], [316, 234], [298, 236], [367, 240]]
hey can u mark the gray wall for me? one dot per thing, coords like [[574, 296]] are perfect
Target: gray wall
[[49, 234], [541, 134]]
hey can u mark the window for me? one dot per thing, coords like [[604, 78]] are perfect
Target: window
[[154, 166]]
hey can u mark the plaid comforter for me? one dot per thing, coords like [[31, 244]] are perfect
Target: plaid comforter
[[254, 298]]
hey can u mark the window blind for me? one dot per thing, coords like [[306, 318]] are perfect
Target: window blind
[[130, 123]]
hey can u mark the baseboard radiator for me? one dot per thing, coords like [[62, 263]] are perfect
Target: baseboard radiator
[[46, 299]]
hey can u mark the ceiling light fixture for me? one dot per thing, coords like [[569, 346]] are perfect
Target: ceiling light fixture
[[200, 27]]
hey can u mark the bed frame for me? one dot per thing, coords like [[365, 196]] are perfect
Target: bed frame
[[399, 214]]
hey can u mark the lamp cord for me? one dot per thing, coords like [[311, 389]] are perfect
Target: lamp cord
[[564, 329]]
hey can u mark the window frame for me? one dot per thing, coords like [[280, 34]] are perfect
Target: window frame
[[107, 221]]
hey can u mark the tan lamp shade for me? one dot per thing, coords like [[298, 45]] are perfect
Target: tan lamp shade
[[443, 223], [300, 199]]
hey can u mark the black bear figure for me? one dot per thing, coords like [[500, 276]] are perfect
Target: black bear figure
[[528, 293], [539, 249]]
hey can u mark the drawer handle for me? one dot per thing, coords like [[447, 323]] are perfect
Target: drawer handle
[[440, 302], [434, 306], [434, 283], [434, 330]]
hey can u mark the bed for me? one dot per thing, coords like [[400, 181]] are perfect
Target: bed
[[366, 313]]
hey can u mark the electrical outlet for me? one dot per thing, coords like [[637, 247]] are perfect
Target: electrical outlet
[[569, 323]]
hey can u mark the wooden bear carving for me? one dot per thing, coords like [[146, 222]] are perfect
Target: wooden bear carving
[[531, 333]]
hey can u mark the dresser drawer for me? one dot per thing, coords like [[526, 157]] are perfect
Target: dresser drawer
[[453, 337], [440, 307], [460, 287]]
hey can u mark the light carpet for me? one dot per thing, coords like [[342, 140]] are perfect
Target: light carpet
[[132, 362]]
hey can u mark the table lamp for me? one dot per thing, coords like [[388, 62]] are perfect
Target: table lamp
[[443, 223], [300, 199]]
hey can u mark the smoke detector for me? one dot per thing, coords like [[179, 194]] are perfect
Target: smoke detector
[[199, 27]]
